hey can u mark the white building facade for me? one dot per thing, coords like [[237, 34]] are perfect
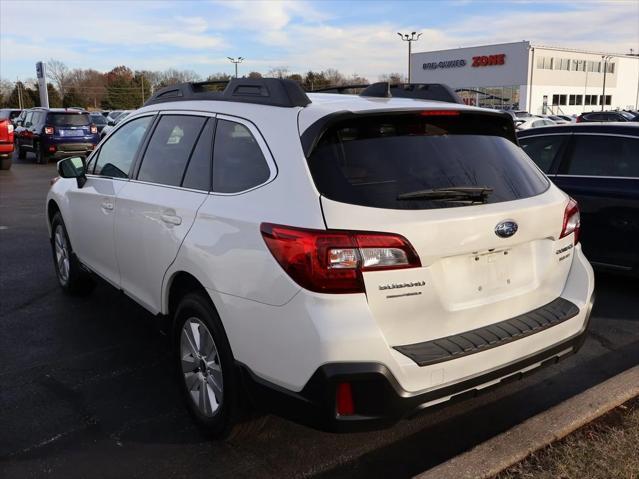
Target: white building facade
[[535, 78]]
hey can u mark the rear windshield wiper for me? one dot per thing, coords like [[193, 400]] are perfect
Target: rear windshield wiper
[[478, 193]]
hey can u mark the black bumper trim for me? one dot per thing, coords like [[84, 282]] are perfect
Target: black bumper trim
[[379, 399], [491, 336]]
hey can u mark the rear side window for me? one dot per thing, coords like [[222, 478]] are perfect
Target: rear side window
[[238, 162], [377, 161], [598, 155], [68, 119], [543, 149], [169, 149]]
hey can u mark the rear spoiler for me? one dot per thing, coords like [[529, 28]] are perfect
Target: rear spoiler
[[502, 124]]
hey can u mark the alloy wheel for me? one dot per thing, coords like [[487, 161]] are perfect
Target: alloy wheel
[[201, 366], [61, 254]]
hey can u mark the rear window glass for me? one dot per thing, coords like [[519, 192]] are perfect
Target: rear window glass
[[378, 161], [68, 119], [98, 119]]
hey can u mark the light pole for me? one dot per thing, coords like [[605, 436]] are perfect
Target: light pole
[[605, 59], [236, 61], [413, 37]]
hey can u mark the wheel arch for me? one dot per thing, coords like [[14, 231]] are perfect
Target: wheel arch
[[52, 209], [179, 284]]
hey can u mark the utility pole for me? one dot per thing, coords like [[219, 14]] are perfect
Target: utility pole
[[142, 84], [414, 36], [605, 59], [19, 93], [236, 61]]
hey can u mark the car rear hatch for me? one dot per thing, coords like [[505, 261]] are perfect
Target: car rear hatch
[[68, 126], [483, 220]]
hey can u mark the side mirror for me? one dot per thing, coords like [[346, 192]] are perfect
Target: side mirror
[[17, 123], [73, 168], [111, 123]]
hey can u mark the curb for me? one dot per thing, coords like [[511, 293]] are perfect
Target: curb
[[502, 451]]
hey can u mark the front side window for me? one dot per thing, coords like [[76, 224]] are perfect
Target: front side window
[[543, 149], [598, 155], [238, 162], [117, 154], [169, 149], [403, 161]]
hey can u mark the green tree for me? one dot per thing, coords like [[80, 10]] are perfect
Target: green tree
[[73, 98], [55, 100]]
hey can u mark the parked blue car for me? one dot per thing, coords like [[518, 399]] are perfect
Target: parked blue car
[[598, 165], [56, 133]]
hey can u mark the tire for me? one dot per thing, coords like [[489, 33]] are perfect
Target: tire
[[71, 277], [40, 157], [22, 155], [206, 371]]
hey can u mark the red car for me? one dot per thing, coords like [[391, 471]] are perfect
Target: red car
[[6, 144]]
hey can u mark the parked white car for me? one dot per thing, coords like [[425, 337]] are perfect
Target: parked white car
[[345, 260], [534, 122]]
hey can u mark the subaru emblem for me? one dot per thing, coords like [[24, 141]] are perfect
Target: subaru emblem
[[506, 229]]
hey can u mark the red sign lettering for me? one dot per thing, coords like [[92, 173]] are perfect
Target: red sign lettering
[[489, 60]]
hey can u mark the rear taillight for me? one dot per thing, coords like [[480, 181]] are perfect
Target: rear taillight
[[332, 261], [94, 129], [344, 405], [48, 130], [9, 128], [572, 220], [578, 120]]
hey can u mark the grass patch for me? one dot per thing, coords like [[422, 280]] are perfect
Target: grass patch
[[604, 449]]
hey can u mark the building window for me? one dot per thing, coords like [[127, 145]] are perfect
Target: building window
[[590, 99], [578, 99], [608, 100], [562, 99], [545, 63], [555, 100], [571, 99], [610, 68]]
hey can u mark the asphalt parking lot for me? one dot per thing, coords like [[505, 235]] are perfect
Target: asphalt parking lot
[[86, 388]]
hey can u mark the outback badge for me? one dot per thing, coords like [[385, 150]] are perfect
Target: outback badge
[[506, 229]]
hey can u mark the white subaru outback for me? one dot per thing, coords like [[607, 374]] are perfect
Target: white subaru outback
[[345, 260]]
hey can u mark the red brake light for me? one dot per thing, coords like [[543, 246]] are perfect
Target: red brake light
[[344, 400], [332, 261], [94, 129], [440, 113], [572, 220], [48, 130], [578, 120]]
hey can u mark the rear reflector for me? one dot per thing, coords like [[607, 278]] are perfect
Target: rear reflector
[[344, 405], [572, 220], [332, 261], [52, 148], [440, 113]]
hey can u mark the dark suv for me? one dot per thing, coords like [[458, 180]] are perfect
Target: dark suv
[[56, 133], [605, 116]]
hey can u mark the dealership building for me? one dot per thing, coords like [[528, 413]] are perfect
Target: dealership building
[[535, 78]]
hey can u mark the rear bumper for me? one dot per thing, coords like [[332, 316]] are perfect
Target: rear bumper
[[379, 400], [64, 150]]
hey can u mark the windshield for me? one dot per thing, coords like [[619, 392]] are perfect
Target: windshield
[[68, 119], [377, 161]]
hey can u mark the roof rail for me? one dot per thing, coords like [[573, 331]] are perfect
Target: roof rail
[[421, 91], [261, 91], [339, 88]]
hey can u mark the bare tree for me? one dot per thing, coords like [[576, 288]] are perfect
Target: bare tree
[[393, 78], [58, 73], [254, 75], [278, 72]]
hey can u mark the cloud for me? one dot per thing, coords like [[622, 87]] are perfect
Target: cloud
[[302, 35]]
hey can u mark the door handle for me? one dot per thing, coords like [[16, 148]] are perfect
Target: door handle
[[107, 205], [171, 219]]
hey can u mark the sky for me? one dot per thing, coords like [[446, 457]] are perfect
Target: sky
[[352, 36]]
